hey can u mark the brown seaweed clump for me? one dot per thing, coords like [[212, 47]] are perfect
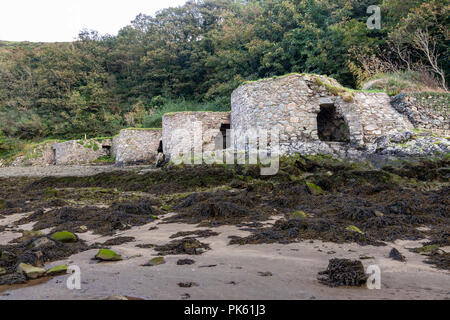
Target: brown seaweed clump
[[104, 221], [343, 272], [118, 241], [189, 246], [198, 233], [293, 230], [219, 208], [440, 259]]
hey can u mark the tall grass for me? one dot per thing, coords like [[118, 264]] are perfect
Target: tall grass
[[403, 81]]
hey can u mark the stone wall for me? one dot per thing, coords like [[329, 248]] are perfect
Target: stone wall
[[38, 155], [291, 104], [180, 129], [136, 146], [427, 111], [81, 151]]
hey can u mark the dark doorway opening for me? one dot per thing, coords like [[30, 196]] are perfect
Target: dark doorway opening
[[107, 149], [223, 130], [331, 125], [160, 147]]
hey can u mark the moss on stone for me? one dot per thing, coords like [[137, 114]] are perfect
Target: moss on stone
[[61, 269], [192, 112], [298, 214], [142, 129], [2, 204], [313, 188], [64, 236], [155, 261], [353, 228], [108, 255]]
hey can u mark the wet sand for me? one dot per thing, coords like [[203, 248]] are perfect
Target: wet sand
[[235, 274]]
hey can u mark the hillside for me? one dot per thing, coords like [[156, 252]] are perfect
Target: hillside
[[192, 57]]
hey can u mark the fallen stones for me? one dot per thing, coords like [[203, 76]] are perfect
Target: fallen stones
[[107, 255], [396, 255], [154, 262], [30, 271], [343, 272], [64, 236]]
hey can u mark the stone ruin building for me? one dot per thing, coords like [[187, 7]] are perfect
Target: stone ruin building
[[181, 128], [137, 146], [313, 115]]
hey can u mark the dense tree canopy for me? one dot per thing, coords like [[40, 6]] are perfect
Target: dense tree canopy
[[201, 52]]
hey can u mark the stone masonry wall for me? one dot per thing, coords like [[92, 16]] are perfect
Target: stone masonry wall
[[81, 151], [426, 111], [292, 103], [39, 155], [136, 146], [177, 141]]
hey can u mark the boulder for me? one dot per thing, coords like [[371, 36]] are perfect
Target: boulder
[[30, 271], [64, 236], [396, 255], [108, 255]]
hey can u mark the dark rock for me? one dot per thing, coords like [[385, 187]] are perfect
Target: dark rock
[[182, 262], [396, 255]]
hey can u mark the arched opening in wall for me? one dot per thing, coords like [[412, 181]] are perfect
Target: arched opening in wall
[[107, 149], [160, 147], [221, 144], [331, 125]]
